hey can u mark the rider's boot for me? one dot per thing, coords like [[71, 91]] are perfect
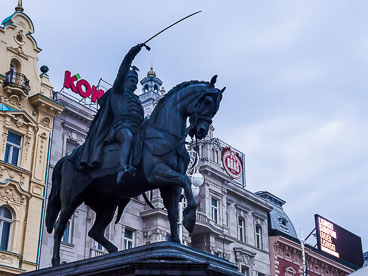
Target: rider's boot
[[125, 173], [126, 169]]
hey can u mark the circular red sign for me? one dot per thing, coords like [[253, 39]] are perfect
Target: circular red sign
[[232, 163]]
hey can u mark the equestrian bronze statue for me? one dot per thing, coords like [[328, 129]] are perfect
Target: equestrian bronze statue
[[124, 156]]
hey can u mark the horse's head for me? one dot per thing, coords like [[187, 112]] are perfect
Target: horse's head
[[203, 108]]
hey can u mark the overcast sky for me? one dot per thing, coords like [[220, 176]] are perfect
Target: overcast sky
[[296, 74]]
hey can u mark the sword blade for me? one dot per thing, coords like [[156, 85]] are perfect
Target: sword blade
[[152, 37]]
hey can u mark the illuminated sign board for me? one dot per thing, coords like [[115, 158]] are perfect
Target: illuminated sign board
[[338, 241], [232, 162], [82, 87]]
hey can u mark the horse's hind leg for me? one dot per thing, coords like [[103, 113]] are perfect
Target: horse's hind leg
[[104, 215], [65, 214], [171, 197]]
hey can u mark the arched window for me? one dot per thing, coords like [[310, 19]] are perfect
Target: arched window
[[14, 68], [6, 220]]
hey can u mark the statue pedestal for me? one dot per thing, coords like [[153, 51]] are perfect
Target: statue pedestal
[[163, 258]]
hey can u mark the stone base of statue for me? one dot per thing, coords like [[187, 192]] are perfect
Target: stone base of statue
[[163, 258]]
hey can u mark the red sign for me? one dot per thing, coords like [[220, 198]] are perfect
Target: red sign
[[232, 162], [82, 87]]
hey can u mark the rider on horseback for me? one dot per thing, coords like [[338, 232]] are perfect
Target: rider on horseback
[[118, 119]]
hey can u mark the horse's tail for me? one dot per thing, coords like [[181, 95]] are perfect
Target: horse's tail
[[54, 202]]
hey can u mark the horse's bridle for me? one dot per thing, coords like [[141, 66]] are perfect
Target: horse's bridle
[[193, 119]]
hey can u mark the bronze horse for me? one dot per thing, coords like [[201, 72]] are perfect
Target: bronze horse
[[163, 166]]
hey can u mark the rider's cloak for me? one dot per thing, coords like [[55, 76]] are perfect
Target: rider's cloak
[[89, 154]]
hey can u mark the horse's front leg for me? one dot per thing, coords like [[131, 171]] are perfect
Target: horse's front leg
[[171, 197], [163, 175]]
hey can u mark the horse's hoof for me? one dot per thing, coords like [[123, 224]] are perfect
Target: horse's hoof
[[55, 262], [189, 224], [189, 219], [112, 250], [176, 239]]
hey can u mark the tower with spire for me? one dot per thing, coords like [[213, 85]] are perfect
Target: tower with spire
[[151, 91]]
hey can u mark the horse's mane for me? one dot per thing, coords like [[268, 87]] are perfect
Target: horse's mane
[[172, 91]]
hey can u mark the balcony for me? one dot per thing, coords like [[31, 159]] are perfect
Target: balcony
[[204, 224], [18, 82], [96, 252]]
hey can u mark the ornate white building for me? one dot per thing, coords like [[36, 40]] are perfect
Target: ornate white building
[[231, 221]]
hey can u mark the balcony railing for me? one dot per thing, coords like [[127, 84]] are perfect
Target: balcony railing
[[96, 252], [16, 79]]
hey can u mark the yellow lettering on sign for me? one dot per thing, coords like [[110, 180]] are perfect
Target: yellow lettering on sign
[[326, 231]]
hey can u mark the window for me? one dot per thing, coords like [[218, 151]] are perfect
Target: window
[[245, 270], [97, 245], [213, 155], [67, 233], [69, 147], [258, 236], [12, 67], [214, 210], [128, 239], [241, 229], [13, 147], [283, 224], [217, 157], [290, 271], [6, 220]]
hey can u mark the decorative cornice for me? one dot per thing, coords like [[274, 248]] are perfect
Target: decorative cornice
[[46, 104], [18, 51]]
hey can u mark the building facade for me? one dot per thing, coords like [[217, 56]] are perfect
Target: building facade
[[27, 112], [231, 221], [288, 254]]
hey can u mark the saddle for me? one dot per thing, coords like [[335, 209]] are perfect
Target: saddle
[[109, 159]]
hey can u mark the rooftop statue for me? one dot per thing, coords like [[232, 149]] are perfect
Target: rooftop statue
[[124, 156]]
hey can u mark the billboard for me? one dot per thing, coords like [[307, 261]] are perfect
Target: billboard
[[338, 241], [233, 163]]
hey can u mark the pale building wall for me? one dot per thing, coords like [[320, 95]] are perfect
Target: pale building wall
[[29, 113]]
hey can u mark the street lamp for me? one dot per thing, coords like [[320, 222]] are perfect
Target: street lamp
[[195, 190], [197, 179]]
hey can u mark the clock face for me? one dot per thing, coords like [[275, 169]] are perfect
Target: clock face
[[232, 163]]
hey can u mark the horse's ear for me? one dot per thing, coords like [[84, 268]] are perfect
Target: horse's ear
[[213, 81], [223, 89]]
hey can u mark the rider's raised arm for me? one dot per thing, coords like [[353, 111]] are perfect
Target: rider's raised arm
[[124, 68]]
